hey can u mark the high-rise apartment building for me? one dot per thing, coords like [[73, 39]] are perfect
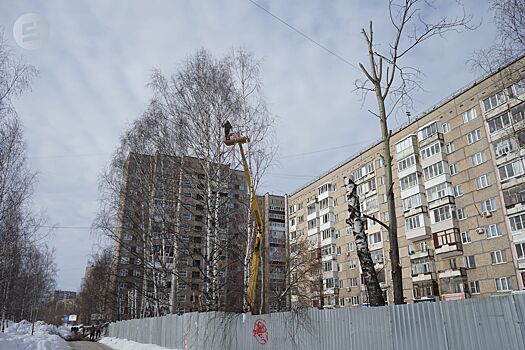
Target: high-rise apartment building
[[460, 196], [177, 240], [275, 253]]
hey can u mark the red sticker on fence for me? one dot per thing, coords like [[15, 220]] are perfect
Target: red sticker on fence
[[260, 331]]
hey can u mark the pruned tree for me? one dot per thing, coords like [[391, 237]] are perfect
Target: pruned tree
[[392, 82], [357, 221]]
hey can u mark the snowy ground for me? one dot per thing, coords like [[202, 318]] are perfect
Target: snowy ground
[[124, 344], [18, 336]]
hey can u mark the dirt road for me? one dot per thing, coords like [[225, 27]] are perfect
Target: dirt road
[[87, 345]]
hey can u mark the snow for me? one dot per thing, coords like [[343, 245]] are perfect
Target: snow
[[124, 344], [18, 336]]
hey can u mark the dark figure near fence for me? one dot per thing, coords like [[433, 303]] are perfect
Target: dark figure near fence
[[92, 332], [98, 331]]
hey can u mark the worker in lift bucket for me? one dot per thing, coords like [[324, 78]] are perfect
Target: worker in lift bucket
[[227, 130]]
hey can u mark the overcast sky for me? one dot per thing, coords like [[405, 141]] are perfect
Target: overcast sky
[[98, 58]]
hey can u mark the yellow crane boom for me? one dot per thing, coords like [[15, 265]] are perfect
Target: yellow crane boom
[[230, 140]]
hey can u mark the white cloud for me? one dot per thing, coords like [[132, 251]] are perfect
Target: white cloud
[[96, 64]]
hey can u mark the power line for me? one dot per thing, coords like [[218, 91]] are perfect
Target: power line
[[66, 227], [323, 150], [304, 35]]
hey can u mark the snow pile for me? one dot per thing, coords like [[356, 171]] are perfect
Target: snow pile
[[18, 336], [124, 344]]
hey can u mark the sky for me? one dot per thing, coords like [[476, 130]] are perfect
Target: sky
[[98, 57]]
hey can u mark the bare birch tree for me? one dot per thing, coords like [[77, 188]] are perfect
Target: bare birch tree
[[393, 82], [27, 270]]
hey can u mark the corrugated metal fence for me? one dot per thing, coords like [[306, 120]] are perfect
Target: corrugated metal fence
[[477, 324]]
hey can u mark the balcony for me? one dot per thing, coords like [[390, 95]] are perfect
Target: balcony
[[421, 254], [327, 257], [424, 270], [425, 291], [453, 284], [448, 243], [449, 199], [419, 233], [431, 139], [453, 272]]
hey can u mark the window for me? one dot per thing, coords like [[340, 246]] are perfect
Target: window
[[493, 101], [503, 284], [511, 170], [478, 158], [374, 238], [446, 127], [518, 112], [406, 162], [474, 287], [503, 147], [423, 246], [413, 222], [429, 151], [454, 168], [311, 209], [518, 88], [352, 282], [482, 182], [469, 115], [187, 194], [382, 180], [517, 223], [386, 217], [449, 147], [412, 202], [443, 213], [492, 230], [428, 131], [351, 246], [327, 266], [499, 122], [124, 260], [520, 250], [473, 136], [498, 257], [458, 191], [433, 170], [312, 224], [123, 272], [462, 213], [409, 181], [439, 191], [488, 205], [466, 237], [380, 163], [352, 264], [355, 300], [470, 262], [377, 256]]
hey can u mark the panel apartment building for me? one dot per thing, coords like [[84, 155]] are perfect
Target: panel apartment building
[[459, 187], [173, 252], [275, 253]]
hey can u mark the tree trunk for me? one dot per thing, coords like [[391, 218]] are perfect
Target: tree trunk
[[357, 222], [395, 265]]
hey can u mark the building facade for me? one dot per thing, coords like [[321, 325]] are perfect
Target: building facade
[[274, 253], [177, 240], [459, 191]]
